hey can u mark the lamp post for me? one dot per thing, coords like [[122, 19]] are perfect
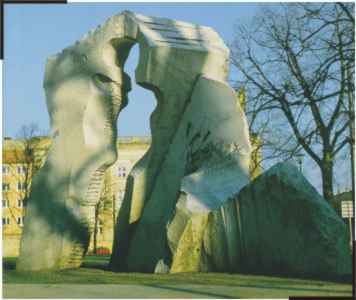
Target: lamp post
[[299, 159], [347, 211]]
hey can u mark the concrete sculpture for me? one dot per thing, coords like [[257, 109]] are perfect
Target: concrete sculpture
[[288, 228], [86, 87], [207, 161], [187, 204], [277, 224], [198, 130]]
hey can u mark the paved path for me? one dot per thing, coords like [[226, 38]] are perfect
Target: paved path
[[162, 291]]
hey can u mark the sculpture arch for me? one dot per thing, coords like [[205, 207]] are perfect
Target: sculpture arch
[[198, 129]]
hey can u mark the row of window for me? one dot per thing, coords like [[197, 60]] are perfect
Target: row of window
[[21, 186], [19, 169], [6, 203], [121, 171], [7, 221]]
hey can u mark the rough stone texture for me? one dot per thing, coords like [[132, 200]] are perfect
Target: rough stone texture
[[287, 228], [180, 211], [197, 117], [278, 224], [208, 159], [161, 267], [203, 240], [86, 87], [203, 233]]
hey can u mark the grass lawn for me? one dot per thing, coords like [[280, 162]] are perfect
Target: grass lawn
[[94, 271]]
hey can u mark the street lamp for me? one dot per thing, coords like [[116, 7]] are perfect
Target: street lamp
[[299, 159]]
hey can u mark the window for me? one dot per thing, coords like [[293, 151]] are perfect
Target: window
[[21, 186], [121, 171], [20, 220], [100, 227], [6, 221], [5, 203], [20, 203], [21, 169], [6, 187], [5, 170]]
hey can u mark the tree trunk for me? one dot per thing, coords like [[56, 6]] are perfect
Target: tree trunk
[[327, 177], [96, 220], [352, 155], [113, 216], [351, 106]]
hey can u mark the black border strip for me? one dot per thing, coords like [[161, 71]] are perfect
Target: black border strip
[[3, 2], [321, 298], [354, 260]]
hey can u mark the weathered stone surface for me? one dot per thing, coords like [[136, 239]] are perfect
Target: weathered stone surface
[[287, 228], [196, 128], [86, 87], [203, 240], [278, 224], [208, 161], [161, 267], [184, 210], [185, 238], [217, 168]]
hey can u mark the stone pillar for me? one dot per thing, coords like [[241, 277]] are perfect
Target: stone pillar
[[85, 89]]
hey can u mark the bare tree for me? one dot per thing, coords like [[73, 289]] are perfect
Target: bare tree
[[22, 161], [104, 210], [97, 211], [29, 161], [297, 63]]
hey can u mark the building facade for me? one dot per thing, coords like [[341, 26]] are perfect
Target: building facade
[[130, 150], [23, 158]]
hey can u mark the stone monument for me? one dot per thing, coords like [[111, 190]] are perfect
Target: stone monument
[[188, 206], [197, 129]]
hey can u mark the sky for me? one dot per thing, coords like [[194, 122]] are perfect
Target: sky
[[35, 31]]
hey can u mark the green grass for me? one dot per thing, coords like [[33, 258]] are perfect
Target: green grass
[[94, 271]]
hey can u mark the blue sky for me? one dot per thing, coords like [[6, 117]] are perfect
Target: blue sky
[[34, 32]]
